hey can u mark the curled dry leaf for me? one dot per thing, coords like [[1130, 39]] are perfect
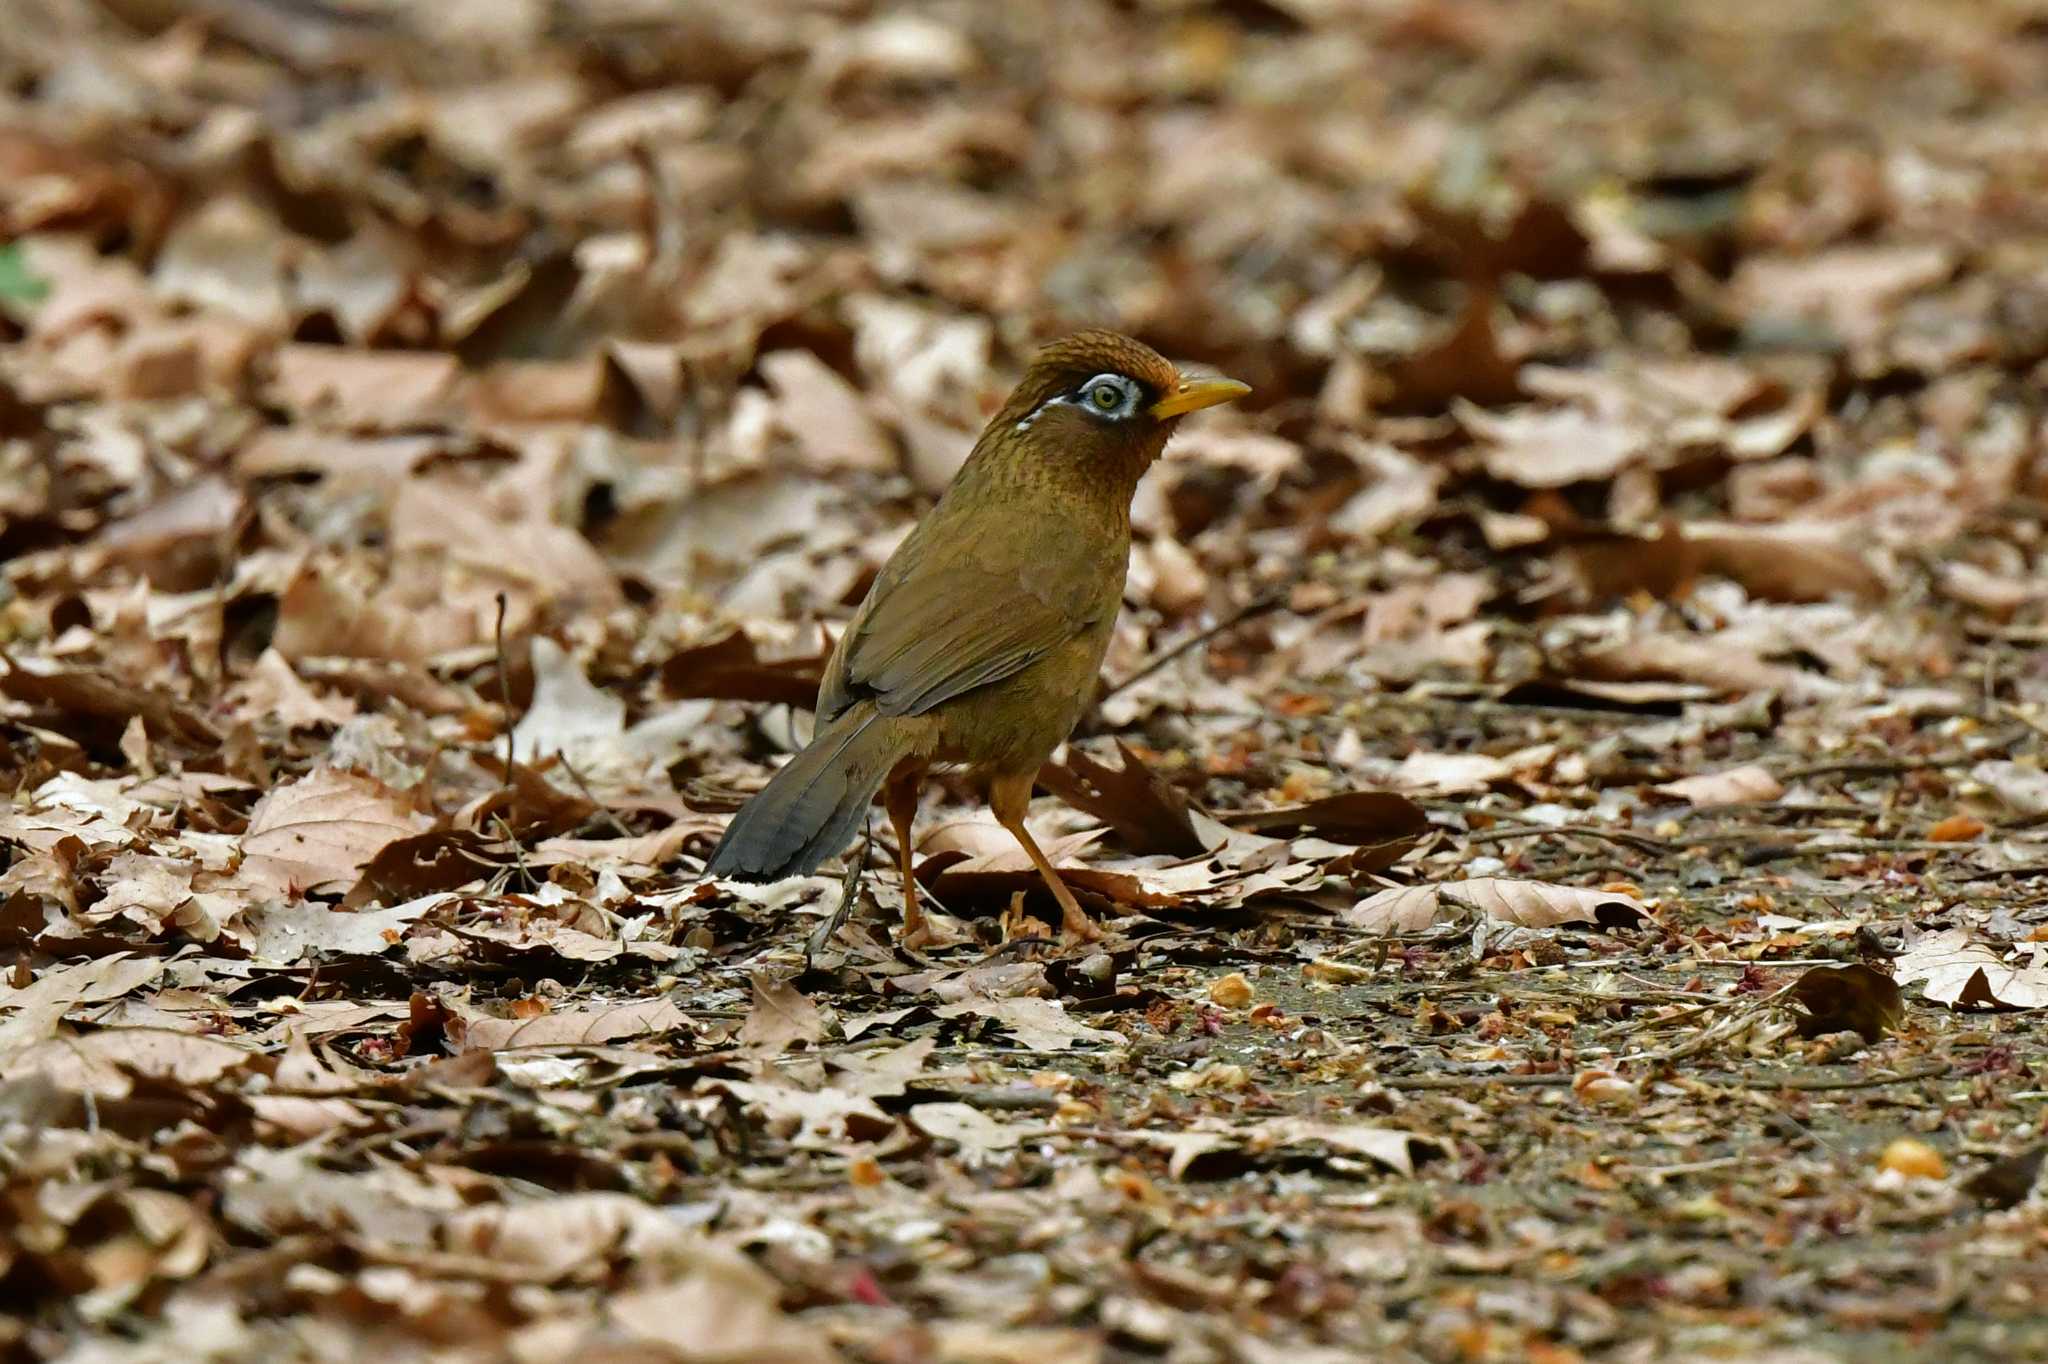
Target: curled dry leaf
[[1531, 904], [1786, 565], [1856, 998], [1955, 829], [1354, 817], [1147, 811], [976, 1133], [1448, 772], [286, 934]]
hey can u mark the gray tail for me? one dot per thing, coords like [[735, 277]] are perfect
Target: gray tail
[[812, 808]]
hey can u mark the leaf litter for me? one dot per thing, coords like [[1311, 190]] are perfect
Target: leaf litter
[[1567, 790]]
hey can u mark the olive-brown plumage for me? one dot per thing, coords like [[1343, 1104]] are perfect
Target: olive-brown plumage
[[980, 641]]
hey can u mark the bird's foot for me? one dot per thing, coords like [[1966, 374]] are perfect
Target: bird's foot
[[1077, 928]]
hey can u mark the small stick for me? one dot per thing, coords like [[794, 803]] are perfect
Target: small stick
[[505, 689], [1257, 606], [1475, 1081], [1640, 842], [1826, 1082], [620, 829]]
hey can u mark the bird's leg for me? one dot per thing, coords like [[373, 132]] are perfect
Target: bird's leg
[[899, 797], [1010, 796]]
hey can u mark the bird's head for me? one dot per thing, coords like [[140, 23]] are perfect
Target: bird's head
[[1102, 401]]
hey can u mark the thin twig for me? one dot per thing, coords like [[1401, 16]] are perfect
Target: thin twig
[[620, 829], [1257, 606], [1891, 767], [1756, 857], [1640, 842], [1475, 1081], [1812, 1083], [505, 689]]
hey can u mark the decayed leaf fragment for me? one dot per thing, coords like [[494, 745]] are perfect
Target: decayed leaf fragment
[[1532, 904]]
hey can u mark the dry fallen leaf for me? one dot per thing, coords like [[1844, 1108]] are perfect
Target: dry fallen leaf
[[1532, 904], [1550, 447], [779, 1018], [317, 833], [2020, 788], [1037, 1024], [1735, 786], [1958, 969], [579, 1027], [1856, 998]]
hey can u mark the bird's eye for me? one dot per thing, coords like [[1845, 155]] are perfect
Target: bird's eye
[[1106, 397]]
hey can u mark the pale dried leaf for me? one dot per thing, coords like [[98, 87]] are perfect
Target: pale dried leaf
[[1532, 904]]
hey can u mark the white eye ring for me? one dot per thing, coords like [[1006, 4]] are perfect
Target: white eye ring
[[1120, 391], [1109, 395]]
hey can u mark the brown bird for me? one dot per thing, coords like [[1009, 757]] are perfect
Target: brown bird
[[980, 641]]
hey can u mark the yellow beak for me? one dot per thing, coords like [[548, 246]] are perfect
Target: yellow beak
[[1195, 394]]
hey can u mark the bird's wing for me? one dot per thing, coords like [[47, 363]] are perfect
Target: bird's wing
[[959, 615]]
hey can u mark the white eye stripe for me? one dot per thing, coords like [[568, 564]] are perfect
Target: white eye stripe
[[1107, 397]]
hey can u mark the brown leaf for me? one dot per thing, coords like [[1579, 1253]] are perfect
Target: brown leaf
[[368, 390], [1776, 565], [286, 934], [1852, 289], [1958, 969], [1955, 829], [2019, 788], [2006, 1183], [1854, 998], [1147, 811], [730, 668], [1532, 904], [825, 414], [591, 1027], [81, 692], [1447, 772], [716, 1306], [1383, 826], [1535, 447], [1466, 362], [779, 1018], [105, 1063], [1037, 1024], [1355, 817], [318, 832], [1732, 786]]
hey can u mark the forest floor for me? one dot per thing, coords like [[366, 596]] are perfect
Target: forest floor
[[1567, 800]]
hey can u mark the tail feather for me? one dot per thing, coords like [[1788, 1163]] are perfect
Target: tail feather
[[812, 808]]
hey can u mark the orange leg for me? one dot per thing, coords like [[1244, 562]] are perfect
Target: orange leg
[[899, 798], [1010, 796]]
